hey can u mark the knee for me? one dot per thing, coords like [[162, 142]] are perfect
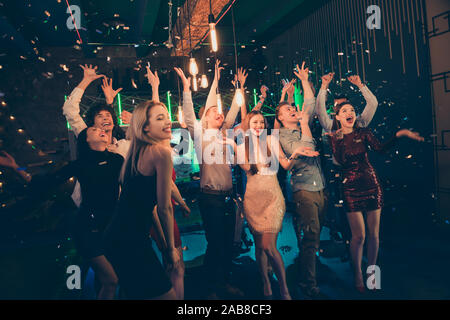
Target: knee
[[110, 282], [358, 238]]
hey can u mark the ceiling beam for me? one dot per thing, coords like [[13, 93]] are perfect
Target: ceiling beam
[[198, 12]]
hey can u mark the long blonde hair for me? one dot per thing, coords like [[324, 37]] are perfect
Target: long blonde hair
[[246, 126], [138, 138]]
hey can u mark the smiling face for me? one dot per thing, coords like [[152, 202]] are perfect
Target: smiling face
[[346, 116], [287, 114], [257, 124], [97, 138], [104, 120], [158, 126], [214, 118]]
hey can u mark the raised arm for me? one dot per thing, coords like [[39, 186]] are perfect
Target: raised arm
[[8, 161], [71, 107], [188, 105], [153, 80], [262, 98], [309, 100], [291, 92], [321, 110], [234, 109], [366, 116], [376, 145]]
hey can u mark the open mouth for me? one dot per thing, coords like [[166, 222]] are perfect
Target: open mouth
[[167, 129], [349, 120], [106, 124]]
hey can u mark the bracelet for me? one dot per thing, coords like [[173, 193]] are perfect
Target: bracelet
[[21, 169]]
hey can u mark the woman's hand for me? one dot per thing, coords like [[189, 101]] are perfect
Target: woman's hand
[[152, 78], [186, 209], [302, 73], [108, 90], [241, 76], [304, 151], [291, 88], [409, 134], [355, 80], [90, 73], [186, 81], [172, 257], [326, 80], [263, 90], [8, 161]]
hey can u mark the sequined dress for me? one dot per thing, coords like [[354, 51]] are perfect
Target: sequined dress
[[264, 204], [361, 187]]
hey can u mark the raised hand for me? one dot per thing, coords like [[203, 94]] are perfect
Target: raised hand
[[409, 134], [291, 88], [186, 81], [152, 78], [303, 116], [326, 79], [242, 76], [356, 80], [217, 70], [302, 73], [126, 117], [304, 151], [8, 161], [90, 73], [108, 90], [264, 90]]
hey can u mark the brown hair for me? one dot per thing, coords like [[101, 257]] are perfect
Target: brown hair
[[336, 124], [246, 126], [277, 110]]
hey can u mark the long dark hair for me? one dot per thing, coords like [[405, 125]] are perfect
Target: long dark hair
[[117, 131], [253, 167], [83, 148]]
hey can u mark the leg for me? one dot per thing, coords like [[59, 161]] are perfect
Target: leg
[[307, 219], [373, 227], [106, 275], [170, 295], [177, 277], [261, 261], [269, 243], [356, 221]]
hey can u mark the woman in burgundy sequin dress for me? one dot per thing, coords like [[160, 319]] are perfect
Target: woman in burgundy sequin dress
[[360, 185]]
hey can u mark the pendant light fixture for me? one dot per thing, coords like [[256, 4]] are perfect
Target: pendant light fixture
[[239, 93], [212, 29]]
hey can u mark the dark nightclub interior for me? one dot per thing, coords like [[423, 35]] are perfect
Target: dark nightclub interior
[[398, 48]]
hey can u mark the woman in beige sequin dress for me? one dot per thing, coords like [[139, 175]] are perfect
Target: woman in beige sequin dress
[[264, 206]]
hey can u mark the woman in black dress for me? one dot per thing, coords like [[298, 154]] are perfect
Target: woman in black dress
[[97, 170], [146, 181], [360, 185]]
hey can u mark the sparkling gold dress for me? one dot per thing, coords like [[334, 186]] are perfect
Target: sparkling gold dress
[[264, 204]]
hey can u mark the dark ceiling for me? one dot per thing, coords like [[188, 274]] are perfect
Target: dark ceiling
[[30, 24]]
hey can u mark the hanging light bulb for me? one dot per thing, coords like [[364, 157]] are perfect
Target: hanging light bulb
[[239, 95], [204, 83], [212, 32], [219, 104], [180, 114], [193, 68], [194, 83]]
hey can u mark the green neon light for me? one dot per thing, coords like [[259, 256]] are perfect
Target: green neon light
[[254, 97], [298, 97], [169, 106], [119, 106], [68, 125]]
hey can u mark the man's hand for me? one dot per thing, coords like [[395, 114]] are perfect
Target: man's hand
[[263, 92], [217, 70], [108, 90], [90, 73], [291, 88], [356, 80], [302, 73], [126, 117]]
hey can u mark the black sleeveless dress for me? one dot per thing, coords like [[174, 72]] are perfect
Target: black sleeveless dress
[[128, 244]]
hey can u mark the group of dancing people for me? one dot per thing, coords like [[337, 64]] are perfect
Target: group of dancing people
[[126, 189]]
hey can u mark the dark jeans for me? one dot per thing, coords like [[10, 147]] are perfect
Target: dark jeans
[[218, 214], [309, 215]]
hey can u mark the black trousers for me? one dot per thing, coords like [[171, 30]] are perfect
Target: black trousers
[[218, 214]]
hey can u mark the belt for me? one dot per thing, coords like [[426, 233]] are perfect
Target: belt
[[217, 192]]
